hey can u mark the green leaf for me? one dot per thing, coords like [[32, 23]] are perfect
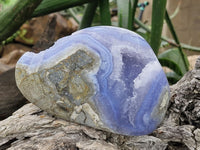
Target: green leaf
[[173, 60], [105, 12], [88, 15], [172, 77], [135, 2], [143, 33], [126, 12], [49, 6], [173, 32], [158, 14], [72, 12], [5, 4]]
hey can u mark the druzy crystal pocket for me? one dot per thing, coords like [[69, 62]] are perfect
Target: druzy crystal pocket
[[103, 77]]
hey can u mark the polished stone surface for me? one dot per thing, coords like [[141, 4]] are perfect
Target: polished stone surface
[[104, 77]]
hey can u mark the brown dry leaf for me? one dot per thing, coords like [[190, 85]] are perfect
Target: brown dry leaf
[[14, 46], [11, 53], [12, 57], [33, 30], [8, 61]]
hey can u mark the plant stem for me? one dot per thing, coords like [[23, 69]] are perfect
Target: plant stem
[[105, 12], [88, 15], [49, 6], [170, 41], [13, 17], [72, 13], [193, 48], [142, 25], [135, 2], [170, 25]]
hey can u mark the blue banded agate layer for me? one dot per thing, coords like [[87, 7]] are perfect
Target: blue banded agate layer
[[103, 77]]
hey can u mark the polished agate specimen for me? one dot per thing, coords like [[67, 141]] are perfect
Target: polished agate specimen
[[103, 77]]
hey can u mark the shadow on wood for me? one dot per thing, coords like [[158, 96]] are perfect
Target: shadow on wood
[[11, 98]]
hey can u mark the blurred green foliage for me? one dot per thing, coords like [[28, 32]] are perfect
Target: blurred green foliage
[[4, 4]]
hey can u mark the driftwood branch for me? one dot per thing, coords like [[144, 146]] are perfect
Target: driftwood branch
[[31, 128]]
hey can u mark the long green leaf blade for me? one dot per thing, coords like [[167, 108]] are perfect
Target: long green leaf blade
[[158, 13], [171, 64], [125, 14], [5, 4], [88, 15], [49, 6], [172, 30], [135, 2], [105, 12]]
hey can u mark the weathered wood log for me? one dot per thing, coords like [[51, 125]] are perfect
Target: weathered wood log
[[185, 101], [181, 126], [32, 128]]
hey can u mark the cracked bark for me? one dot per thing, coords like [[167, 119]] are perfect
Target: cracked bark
[[31, 128]]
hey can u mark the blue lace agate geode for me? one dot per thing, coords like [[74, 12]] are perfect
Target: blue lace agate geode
[[103, 77]]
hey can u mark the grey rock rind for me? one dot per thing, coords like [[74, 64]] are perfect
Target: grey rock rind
[[31, 128]]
